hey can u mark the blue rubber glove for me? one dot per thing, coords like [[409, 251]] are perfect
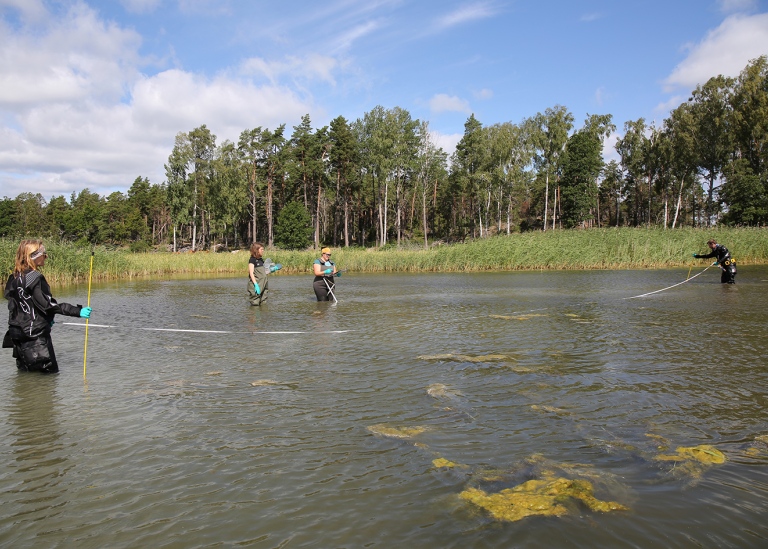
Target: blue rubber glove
[[274, 268], [52, 323], [717, 263], [85, 312], [696, 255], [256, 288], [338, 274], [328, 271]]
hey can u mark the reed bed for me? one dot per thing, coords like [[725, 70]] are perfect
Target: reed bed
[[623, 248]]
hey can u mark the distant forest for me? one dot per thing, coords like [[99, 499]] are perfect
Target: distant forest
[[382, 180]]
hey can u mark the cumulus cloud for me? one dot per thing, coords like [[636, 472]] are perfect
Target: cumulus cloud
[[76, 58], [446, 141], [725, 50], [448, 103], [78, 110]]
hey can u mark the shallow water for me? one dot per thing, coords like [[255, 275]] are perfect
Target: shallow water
[[326, 438]]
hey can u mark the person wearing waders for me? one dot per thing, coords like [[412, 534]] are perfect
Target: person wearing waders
[[257, 275], [724, 259], [324, 270], [31, 310]]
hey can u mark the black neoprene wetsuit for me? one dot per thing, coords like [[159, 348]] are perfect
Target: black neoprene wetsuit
[[727, 264], [31, 309]]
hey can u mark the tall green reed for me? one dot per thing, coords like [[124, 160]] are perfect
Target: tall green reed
[[560, 249]]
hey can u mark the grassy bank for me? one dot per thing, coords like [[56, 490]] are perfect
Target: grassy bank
[[591, 249]]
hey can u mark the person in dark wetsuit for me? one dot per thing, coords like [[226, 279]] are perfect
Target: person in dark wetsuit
[[324, 270], [31, 310], [724, 259], [257, 275]]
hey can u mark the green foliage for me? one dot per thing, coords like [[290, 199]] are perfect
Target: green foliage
[[383, 177], [294, 227], [581, 166]]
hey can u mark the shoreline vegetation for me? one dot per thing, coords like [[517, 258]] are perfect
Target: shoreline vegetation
[[612, 248]]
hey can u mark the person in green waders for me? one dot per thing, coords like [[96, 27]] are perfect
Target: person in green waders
[[257, 275]]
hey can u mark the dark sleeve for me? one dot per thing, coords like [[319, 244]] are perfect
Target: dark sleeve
[[710, 254], [45, 302]]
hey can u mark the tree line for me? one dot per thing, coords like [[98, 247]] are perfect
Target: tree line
[[382, 179]]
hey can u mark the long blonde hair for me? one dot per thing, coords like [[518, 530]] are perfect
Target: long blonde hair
[[24, 255]]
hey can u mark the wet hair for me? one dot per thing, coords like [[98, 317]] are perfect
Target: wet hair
[[24, 256], [255, 248], [711, 241]]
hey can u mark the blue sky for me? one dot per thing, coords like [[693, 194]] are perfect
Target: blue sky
[[92, 93]]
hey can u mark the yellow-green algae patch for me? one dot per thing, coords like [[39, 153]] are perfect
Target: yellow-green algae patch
[[551, 409], [395, 432], [468, 358], [704, 453], [661, 442], [438, 390], [545, 497], [442, 462], [264, 382], [516, 317]]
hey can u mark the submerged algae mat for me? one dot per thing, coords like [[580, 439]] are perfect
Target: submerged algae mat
[[550, 494], [469, 358], [693, 461], [395, 432], [547, 497]]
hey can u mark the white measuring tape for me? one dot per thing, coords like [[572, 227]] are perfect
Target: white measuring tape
[[203, 331]]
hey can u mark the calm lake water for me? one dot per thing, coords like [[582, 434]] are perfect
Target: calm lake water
[[328, 436]]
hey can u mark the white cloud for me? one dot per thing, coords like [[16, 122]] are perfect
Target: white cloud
[[484, 94], [609, 148], [589, 17], [448, 103], [446, 141], [600, 96], [669, 105], [732, 6], [312, 67], [470, 12], [345, 40], [77, 58], [725, 50], [78, 112], [29, 10], [140, 6]]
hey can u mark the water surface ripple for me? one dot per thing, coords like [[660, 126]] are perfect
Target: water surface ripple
[[184, 439]]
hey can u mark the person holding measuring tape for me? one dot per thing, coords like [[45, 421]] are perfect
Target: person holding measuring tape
[[724, 259], [324, 270], [259, 270], [31, 310]]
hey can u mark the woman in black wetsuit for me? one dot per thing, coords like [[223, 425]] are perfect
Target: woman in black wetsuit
[[724, 259], [31, 309]]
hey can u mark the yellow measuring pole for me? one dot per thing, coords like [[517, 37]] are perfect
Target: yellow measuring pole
[[85, 349]]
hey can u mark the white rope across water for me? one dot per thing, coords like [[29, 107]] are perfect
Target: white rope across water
[[203, 331], [674, 285]]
